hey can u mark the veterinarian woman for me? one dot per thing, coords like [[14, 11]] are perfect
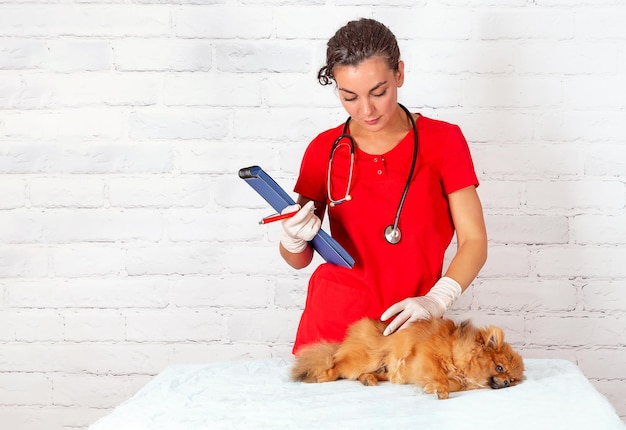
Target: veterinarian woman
[[396, 185]]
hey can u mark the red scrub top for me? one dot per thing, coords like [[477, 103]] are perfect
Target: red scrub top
[[383, 274]]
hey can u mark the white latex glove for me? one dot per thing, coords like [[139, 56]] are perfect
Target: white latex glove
[[433, 305], [300, 228]]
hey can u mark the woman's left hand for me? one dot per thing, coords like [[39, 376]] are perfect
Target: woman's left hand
[[410, 310], [433, 305]]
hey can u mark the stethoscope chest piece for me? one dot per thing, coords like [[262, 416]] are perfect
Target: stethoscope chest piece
[[393, 234]]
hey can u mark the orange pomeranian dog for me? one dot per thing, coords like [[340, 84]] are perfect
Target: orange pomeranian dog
[[438, 355]]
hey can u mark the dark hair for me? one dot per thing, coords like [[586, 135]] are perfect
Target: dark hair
[[358, 41]]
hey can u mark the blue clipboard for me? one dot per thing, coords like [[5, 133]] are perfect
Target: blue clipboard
[[278, 199]]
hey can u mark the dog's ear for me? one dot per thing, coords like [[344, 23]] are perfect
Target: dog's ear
[[492, 338]]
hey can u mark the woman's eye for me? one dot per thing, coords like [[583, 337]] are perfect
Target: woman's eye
[[380, 94], [351, 99]]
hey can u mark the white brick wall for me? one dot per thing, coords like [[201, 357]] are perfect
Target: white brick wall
[[128, 243]]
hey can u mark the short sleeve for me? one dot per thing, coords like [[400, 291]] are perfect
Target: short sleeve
[[457, 170]]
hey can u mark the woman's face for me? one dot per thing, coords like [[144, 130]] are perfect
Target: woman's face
[[369, 92]]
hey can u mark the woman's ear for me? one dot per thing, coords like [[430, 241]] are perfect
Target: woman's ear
[[400, 73]]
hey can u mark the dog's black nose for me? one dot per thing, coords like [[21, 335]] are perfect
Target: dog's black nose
[[507, 383]]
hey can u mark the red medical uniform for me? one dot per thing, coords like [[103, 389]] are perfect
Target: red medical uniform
[[383, 273]]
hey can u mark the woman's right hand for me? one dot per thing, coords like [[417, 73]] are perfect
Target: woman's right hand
[[300, 228]]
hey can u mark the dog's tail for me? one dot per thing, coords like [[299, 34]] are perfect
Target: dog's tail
[[313, 362]]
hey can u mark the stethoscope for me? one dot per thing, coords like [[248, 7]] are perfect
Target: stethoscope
[[392, 232]]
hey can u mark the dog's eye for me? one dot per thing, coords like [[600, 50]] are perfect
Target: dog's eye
[[499, 368]]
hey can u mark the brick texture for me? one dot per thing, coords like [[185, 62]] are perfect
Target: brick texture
[[128, 243]]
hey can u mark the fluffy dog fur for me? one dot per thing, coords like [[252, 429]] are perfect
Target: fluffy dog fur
[[438, 355]]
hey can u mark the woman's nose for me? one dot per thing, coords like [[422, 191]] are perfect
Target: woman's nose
[[367, 108]]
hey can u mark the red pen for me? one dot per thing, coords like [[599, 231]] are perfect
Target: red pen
[[277, 217]]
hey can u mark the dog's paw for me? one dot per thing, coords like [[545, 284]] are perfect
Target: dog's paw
[[368, 379], [434, 388], [443, 394]]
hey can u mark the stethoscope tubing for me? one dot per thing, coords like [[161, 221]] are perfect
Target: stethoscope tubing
[[392, 232], [411, 170]]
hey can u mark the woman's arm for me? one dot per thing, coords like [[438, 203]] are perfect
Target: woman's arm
[[471, 234]]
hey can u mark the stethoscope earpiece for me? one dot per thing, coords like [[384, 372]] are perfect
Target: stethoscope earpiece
[[392, 232]]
